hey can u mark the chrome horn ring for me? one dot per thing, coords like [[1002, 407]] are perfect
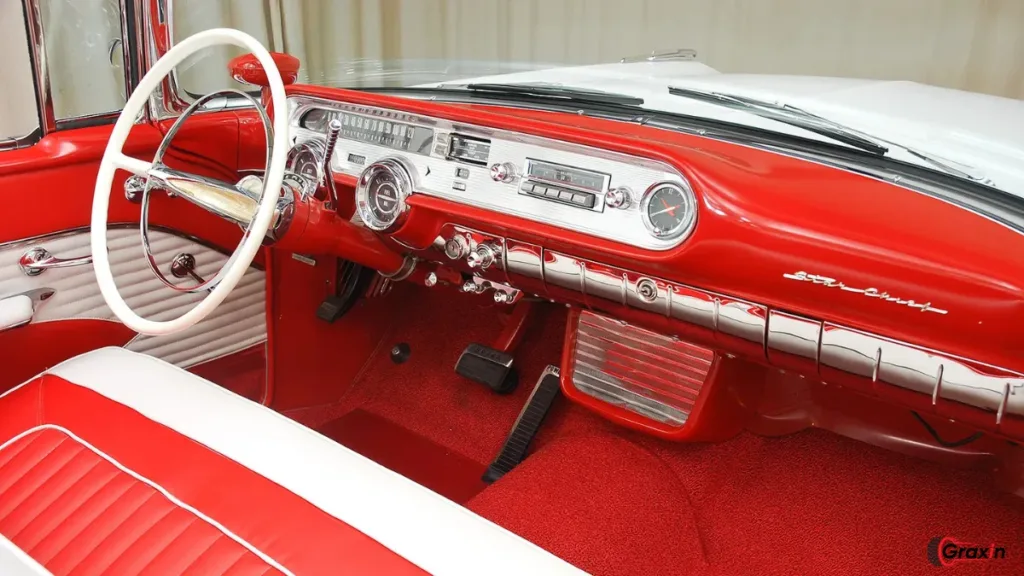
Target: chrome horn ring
[[159, 167]]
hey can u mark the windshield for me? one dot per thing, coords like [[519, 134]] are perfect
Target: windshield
[[737, 65], [381, 43]]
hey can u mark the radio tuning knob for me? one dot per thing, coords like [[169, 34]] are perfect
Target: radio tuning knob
[[483, 256], [618, 198], [503, 172]]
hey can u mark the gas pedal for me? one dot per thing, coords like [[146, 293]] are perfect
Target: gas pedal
[[527, 425]]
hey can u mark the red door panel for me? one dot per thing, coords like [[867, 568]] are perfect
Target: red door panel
[[48, 188]]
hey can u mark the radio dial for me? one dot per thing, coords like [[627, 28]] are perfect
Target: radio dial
[[503, 172], [618, 198]]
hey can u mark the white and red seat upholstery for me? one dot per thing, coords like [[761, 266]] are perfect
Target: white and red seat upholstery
[[115, 462]]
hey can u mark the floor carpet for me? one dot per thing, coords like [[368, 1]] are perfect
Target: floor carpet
[[614, 502]]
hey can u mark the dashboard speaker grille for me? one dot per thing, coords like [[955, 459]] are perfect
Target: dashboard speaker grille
[[653, 375]]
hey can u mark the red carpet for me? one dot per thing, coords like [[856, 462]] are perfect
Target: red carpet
[[614, 502], [450, 474]]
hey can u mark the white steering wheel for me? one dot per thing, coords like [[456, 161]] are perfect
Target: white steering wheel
[[114, 158]]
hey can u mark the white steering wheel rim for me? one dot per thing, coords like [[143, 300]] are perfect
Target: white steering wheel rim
[[114, 158]]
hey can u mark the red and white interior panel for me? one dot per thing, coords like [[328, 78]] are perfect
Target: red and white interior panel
[[239, 323], [232, 488]]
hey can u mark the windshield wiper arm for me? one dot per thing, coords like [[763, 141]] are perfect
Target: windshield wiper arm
[[556, 92], [787, 115]]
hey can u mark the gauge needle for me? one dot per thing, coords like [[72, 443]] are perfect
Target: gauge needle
[[670, 209]]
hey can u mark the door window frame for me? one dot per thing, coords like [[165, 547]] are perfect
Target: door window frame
[[129, 42]]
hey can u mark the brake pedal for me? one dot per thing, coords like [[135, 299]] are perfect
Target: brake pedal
[[490, 367], [527, 425]]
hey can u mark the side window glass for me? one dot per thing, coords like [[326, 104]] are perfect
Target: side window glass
[[82, 40], [18, 114]]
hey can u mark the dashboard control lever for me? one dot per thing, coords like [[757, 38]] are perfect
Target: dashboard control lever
[[333, 130]]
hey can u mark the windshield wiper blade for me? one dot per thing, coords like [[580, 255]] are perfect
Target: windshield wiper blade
[[557, 92], [787, 115]]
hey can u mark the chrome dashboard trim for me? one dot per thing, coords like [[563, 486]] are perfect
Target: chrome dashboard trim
[[437, 175], [793, 337], [524, 259], [788, 341]]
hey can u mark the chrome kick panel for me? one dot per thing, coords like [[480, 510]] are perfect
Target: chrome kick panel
[[540, 179]]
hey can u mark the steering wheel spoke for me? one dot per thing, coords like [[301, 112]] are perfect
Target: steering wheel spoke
[[133, 165]]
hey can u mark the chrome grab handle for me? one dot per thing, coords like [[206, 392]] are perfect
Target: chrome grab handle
[[38, 260]]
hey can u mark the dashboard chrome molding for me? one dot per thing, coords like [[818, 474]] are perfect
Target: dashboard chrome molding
[[726, 317], [441, 177], [788, 341], [937, 375], [869, 292]]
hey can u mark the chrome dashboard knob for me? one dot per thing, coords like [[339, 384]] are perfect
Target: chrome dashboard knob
[[620, 197], [456, 247], [483, 256], [503, 172]]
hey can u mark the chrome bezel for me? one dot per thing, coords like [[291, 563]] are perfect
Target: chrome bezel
[[402, 174], [685, 226], [315, 147]]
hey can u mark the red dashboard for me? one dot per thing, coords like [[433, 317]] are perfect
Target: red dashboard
[[803, 266]]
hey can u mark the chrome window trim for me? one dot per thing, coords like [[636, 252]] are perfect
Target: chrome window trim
[[48, 123], [167, 101]]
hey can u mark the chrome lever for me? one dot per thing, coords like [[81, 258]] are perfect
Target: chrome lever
[[38, 260], [333, 130]]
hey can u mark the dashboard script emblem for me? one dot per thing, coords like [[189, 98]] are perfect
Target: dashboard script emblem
[[869, 292]]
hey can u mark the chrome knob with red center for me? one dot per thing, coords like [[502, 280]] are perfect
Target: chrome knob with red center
[[503, 172]]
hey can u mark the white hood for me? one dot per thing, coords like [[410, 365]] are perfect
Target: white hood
[[981, 134]]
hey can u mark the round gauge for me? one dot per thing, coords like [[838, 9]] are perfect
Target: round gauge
[[381, 193], [305, 160], [669, 210], [316, 119]]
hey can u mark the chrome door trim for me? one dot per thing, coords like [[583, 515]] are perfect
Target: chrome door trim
[[119, 225]]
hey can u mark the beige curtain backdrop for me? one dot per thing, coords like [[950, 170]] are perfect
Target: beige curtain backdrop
[[975, 45]]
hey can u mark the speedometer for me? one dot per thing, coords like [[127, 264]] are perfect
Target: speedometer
[[669, 210], [381, 193]]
